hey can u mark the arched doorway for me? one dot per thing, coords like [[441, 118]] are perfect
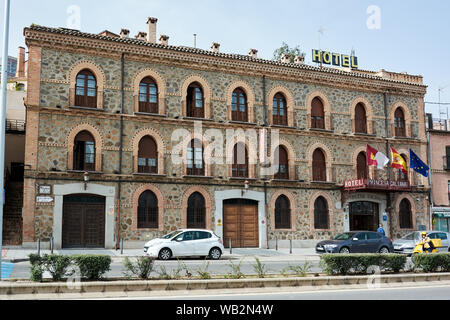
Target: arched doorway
[[364, 216], [83, 224], [240, 222]]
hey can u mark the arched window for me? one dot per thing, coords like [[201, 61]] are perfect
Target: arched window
[[148, 210], [148, 96], [319, 168], [317, 114], [86, 89], [84, 152], [240, 161], [147, 155], [282, 213], [321, 216], [195, 101], [196, 211], [405, 215], [195, 164], [361, 166], [239, 106], [283, 163], [279, 110], [399, 123], [360, 119]]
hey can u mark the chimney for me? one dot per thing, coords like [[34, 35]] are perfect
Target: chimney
[[21, 63], [215, 47], [163, 39], [151, 29], [299, 60], [286, 58], [141, 36], [253, 53], [124, 33]]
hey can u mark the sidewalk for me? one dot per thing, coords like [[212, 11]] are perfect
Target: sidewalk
[[18, 254]]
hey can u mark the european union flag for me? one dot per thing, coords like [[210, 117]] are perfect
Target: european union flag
[[418, 165]]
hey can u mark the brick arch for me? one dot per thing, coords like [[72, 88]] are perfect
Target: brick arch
[[161, 89], [291, 155], [161, 205], [251, 152], [250, 98], [405, 152], [208, 204], [413, 210], [159, 143], [208, 161], [326, 106], [98, 144], [293, 204], [328, 159], [99, 77], [330, 202], [207, 94], [369, 113], [406, 112], [354, 161], [289, 100]]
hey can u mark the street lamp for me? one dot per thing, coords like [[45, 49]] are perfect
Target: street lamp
[[86, 179]]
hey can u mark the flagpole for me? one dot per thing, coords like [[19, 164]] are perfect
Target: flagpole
[[4, 80]]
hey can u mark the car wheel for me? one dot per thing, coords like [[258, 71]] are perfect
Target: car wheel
[[344, 250], [384, 250], [215, 253], [165, 254]]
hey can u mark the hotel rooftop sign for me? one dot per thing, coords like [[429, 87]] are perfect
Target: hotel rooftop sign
[[335, 59]]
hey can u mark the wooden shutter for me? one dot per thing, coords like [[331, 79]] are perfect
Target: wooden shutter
[[86, 89], [360, 119], [317, 114], [240, 161], [405, 214], [400, 130], [148, 96], [279, 110], [319, 166], [147, 155], [361, 166], [84, 152], [321, 217], [195, 101], [239, 110], [283, 166]]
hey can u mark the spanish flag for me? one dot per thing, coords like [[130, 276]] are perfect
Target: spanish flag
[[398, 162]]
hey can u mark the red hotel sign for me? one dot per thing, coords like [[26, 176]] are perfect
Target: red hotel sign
[[378, 184]]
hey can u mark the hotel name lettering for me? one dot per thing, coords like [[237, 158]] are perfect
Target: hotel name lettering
[[335, 59]]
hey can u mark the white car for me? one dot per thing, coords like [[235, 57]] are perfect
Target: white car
[[186, 243]]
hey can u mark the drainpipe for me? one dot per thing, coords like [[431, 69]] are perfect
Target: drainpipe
[[265, 182], [388, 194], [119, 189], [429, 179], [264, 101]]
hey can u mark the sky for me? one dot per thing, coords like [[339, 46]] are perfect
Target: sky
[[400, 36]]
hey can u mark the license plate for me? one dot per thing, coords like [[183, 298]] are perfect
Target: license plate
[[320, 249]]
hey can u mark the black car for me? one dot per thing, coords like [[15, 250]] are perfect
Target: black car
[[356, 242]]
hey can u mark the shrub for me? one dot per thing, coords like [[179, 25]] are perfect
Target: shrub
[[298, 270], [57, 265], [36, 272], [204, 272], [142, 268], [433, 262], [235, 271], [92, 267], [344, 264], [260, 268]]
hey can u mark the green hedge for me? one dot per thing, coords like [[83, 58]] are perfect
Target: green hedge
[[432, 262], [344, 264], [92, 267]]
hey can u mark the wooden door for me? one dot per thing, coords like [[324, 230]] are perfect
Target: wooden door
[[241, 225], [83, 222]]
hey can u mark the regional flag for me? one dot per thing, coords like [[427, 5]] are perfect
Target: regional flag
[[376, 158], [398, 162], [418, 165]]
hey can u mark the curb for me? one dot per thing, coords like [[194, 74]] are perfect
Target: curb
[[10, 289]]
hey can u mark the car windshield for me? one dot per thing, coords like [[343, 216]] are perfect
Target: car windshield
[[344, 236], [172, 234], [412, 236]]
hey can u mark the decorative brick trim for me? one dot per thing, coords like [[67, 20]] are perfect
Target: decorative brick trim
[[326, 106], [98, 144], [161, 89], [208, 204], [206, 155], [159, 143], [252, 154], [399, 199], [291, 156], [406, 112], [250, 98], [329, 158], [293, 204], [289, 100], [330, 203], [161, 206], [369, 113], [99, 77], [355, 162], [207, 94]]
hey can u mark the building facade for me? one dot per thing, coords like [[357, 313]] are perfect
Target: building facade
[[125, 135]]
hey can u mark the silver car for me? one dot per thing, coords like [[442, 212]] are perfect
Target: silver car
[[407, 244]]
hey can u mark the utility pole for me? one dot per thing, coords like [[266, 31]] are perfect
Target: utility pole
[[4, 80]]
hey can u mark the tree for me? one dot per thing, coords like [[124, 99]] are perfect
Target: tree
[[293, 52]]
